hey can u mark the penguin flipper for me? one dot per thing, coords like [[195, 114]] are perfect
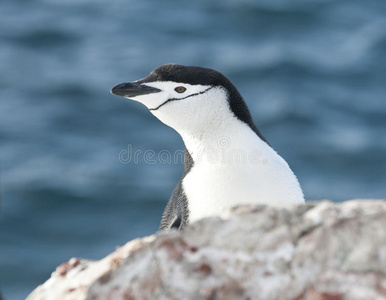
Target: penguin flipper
[[176, 211]]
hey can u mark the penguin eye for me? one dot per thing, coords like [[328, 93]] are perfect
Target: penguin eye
[[180, 89]]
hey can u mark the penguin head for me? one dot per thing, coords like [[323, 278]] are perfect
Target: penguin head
[[187, 98]]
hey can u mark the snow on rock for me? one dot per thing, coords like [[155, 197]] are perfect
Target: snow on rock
[[304, 252]]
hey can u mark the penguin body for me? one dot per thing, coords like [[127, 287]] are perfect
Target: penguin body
[[227, 161]]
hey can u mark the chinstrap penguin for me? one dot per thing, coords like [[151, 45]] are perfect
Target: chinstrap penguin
[[227, 160]]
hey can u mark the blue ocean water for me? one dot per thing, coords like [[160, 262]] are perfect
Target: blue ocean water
[[312, 72]]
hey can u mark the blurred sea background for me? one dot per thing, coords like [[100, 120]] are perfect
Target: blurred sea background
[[312, 72]]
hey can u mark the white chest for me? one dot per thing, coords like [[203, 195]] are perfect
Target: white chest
[[228, 176]]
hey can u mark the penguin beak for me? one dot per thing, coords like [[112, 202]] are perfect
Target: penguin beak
[[133, 89]]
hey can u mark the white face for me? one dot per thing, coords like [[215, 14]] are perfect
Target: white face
[[189, 109]]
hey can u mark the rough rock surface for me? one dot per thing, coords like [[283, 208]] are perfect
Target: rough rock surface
[[313, 251]]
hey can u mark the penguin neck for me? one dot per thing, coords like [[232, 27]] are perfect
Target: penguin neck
[[220, 142], [211, 128]]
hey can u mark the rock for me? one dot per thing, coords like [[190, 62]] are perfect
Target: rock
[[304, 252]]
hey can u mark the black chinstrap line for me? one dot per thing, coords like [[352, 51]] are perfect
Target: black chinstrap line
[[176, 99]]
